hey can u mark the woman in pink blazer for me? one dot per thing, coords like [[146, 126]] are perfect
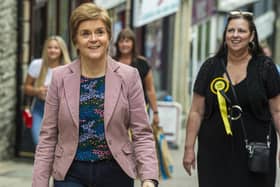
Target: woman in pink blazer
[[90, 105]]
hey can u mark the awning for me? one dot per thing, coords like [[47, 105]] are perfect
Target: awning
[[146, 11], [107, 4], [228, 5]]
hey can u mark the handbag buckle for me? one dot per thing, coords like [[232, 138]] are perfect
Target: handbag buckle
[[250, 149]]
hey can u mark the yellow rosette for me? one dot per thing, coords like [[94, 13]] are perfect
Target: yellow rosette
[[217, 86]]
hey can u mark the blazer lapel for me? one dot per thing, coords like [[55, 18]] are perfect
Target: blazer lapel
[[112, 89], [72, 90]]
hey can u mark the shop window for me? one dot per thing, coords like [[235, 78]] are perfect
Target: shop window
[[156, 35], [38, 30], [260, 7], [153, 49], [63, 31], [52, 17], [199, 43], [208, 38]]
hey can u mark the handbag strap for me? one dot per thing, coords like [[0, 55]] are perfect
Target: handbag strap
[[241, 118]]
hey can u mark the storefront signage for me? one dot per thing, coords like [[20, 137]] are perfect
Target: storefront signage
[[107, 4], [146, 11], [202, 9], [228, 5]]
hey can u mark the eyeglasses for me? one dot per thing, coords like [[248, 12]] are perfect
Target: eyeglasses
[[241, 13]]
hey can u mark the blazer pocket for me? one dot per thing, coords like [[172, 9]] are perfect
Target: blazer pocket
[[58, 151], [128, 148], [129, 159], [57, 162]]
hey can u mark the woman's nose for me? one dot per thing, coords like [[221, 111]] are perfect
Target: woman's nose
[[92, 37], [235, 33]]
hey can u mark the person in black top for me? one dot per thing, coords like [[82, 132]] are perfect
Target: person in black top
[[222, 159], [126, 53]]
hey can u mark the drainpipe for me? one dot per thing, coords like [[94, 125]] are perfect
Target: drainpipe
[[18, 117]]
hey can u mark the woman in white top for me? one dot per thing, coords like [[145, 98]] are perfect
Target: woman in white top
[[54, 53]]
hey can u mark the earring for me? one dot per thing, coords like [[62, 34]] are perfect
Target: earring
[[251, 46]]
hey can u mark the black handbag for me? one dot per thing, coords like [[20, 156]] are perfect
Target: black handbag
[[258, 152], [258, 157]]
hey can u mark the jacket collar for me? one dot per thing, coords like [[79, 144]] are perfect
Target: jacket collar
[[113, 83]]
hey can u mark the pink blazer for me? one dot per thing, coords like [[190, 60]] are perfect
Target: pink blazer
[[124, 108]]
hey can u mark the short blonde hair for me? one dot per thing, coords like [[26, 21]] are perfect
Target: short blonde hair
[[88, 11]]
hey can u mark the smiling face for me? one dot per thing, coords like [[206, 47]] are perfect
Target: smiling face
[[238, 35], [92, 40], [125, 46], [53, 50]]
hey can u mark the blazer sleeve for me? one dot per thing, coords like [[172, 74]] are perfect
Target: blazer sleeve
[[45, 149], [143, 140]]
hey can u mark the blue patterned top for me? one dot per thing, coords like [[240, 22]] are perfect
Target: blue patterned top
[[92, 144]]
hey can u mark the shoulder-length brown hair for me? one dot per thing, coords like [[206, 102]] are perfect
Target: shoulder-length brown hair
[[126, 33]]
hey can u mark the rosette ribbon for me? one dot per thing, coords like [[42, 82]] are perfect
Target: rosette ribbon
[[219, 86]]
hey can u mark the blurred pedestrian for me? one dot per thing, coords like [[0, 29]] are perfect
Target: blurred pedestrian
[[223, 110], [90, 105], [266, 48], [36, 84], [267, 51], [126, 53]]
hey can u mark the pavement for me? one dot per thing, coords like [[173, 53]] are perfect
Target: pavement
[[18, 172]]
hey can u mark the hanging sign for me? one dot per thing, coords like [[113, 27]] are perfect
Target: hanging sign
[[107, 4], [146, 11]]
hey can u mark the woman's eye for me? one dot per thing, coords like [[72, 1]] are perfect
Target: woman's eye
[[241, 30], [99, 32], [85, 34]]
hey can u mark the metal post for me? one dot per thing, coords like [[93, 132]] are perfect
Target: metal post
[[18, 119]]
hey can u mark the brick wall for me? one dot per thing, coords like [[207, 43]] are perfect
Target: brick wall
[[8, 58]]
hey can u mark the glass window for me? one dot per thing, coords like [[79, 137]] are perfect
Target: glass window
[[38, 31], [269, 5], [52, 15], [259, 8], [64, 20], [153, 50], [199, 42], [208, 37]]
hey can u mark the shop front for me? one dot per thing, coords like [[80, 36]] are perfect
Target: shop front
[[204, 35], [119, 11], [154, 22]]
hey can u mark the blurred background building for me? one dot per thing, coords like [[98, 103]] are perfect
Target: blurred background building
[[175, 35]]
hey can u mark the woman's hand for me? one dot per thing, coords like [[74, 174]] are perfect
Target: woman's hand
[[189, 160], [155, 119], [148, 183], [42, 92]]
